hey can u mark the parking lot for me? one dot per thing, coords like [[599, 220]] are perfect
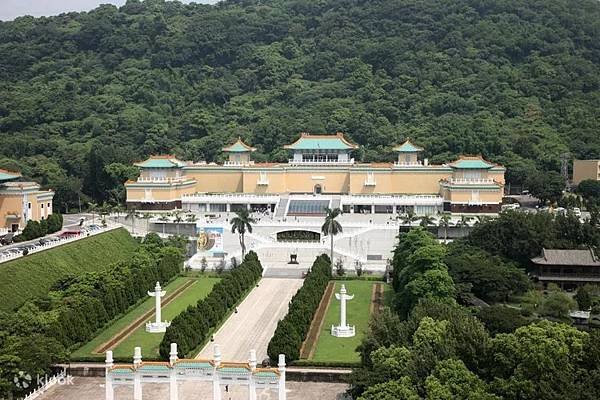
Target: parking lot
[[16, 250]]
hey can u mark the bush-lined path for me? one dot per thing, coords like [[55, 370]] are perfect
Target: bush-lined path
[[254, 324], [129, 331]]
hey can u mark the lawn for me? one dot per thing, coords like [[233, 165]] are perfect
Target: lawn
[[32, 276], [149, 341], [343, 350]]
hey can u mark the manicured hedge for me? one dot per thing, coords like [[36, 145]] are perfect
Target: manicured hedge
[[191, 328], [292, 330], [84, 304]]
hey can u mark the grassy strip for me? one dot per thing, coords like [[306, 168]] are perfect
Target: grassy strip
[[87, 351], [33, 275], [150, 341], [343, 350]]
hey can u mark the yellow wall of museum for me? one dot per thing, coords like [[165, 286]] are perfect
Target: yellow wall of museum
[[300, 180], [12, 204]]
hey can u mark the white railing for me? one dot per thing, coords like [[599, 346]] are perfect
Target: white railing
[[55, 243], [3, 231], [392, 200], [42, 389], [237, 163], [471, 181], [229, 197], [315, 161], [408, 164], [160, 179]]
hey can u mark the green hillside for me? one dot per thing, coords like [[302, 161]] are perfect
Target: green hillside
[[82, 93], [33, 275]]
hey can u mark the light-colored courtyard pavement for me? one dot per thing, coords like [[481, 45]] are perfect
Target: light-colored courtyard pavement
[[93, 389], [254, 324]]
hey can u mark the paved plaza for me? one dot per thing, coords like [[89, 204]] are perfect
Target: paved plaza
[[254, 324], [93, 389]]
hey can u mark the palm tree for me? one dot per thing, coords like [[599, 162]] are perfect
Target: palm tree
[[177, 220], [409, 218], [482, 219], [331, 227], [118, 209], [464, 221], [445, 223], [147, 217], [426, 220], [131, 215], [92, 207], [241, 224], [164, 218], [104, 210]]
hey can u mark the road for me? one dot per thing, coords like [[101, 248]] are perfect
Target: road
[[70, 221], [254, 324]]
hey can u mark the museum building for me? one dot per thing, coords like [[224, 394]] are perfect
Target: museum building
[[320, 173]]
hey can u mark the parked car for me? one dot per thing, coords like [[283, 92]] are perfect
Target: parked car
[[577, 212], [7, 239]]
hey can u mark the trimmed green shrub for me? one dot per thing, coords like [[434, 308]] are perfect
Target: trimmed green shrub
[[191, 328], [292, 329]]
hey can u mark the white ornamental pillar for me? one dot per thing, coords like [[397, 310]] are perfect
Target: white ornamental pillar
[[173, 389], [252, 385], [343, 330], [281, 385], [342, 298], [137, 384], [158, 293], [216, 384], [109, 393]]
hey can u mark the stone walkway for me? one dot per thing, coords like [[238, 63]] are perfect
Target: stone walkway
[[254, 324], [93, 389]]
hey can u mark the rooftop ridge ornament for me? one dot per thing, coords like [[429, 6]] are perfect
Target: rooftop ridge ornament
[[157, 326], [343, 329]]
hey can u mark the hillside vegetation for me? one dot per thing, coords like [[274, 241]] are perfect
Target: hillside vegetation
[[82, 95], [32, 276]]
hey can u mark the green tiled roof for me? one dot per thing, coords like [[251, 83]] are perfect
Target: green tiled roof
[[239, 147], [321, 142], [151, 367], [408, 147], [7, 176], [234, 370], [196, 365], [121, 371], [160, 163], [266, 374], [471, 163]]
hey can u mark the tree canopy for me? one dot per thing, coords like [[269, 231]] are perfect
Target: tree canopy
[[82, 95]]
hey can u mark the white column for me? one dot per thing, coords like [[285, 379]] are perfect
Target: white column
[[216, 385], [252, 385], [173, 354], [109, 393], [281, 386], [173, 390], [137, 384], [157, 290], [343, 307]]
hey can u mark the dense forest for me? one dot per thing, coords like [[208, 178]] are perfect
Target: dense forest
[[82, 95]]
